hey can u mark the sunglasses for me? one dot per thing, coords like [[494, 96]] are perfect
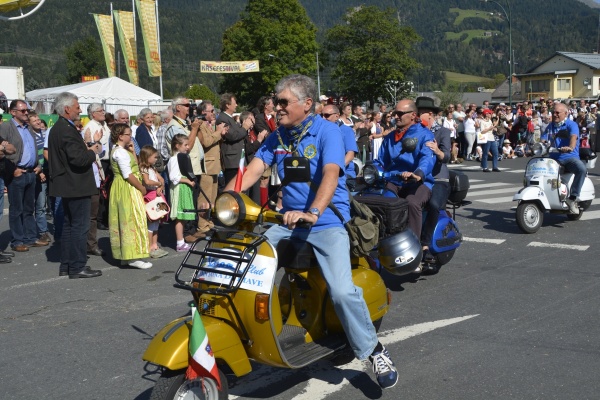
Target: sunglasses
[[185, 105], [283, 103], [25, 110], [326, 116], [400, 114]]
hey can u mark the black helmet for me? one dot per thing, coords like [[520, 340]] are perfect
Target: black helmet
[[401, 253], [409, 144]]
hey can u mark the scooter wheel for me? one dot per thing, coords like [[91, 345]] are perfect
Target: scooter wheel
[[529, 217], [172, 384]]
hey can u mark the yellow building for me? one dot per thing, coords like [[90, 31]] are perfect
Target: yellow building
[[565, 75]]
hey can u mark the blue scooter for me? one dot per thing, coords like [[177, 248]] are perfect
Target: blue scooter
[[446, 236]]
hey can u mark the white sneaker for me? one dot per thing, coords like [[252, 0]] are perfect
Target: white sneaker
[[140, 264], [573, 206]]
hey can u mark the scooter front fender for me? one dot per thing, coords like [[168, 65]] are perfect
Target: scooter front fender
[[532, 193], [169, 347]]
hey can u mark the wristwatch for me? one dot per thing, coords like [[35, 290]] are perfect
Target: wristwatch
[[315, 211]]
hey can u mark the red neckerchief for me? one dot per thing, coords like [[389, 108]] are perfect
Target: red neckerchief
[[252, 136], [400, 134], [270, 122]]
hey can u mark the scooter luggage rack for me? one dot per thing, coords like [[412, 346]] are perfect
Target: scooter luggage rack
[[234, 278]]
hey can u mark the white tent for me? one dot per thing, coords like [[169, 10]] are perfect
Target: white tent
[[114, 93]]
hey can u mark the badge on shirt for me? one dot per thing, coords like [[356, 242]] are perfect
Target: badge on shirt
[[310, 151]]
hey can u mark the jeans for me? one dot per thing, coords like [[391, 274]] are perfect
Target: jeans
[[1, 198], [21, 219], [577, 167], [490, 145], [332, 250], [74, 236], [437, 202], [40, 207], [58, 217]]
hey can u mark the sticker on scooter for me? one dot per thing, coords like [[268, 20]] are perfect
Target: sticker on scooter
[[258, 278]]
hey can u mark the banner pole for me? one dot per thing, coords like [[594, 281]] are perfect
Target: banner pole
[[159, 54]]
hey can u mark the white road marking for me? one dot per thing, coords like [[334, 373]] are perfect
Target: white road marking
[[516, 171], [22, 285], [476, 180], [327, 379], [488, 185], [587, 215], [512, 189], [482, 240], [559, 246], [496, 200]]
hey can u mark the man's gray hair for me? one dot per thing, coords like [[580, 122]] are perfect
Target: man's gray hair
[[143, 112], [334, 109], [121, 111], [92, 108], [177, 101], [63, 100], [301, 86], [164, 114]]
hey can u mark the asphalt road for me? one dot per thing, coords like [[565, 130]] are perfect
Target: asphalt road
[[511, 316]]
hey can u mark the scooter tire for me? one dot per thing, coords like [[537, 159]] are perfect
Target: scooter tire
[[529, 217], [170, 381], [575, 217]]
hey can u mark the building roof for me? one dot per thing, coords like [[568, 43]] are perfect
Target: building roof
[[501, 92], [589, 59]]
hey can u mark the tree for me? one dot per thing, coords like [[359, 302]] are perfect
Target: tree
[[84, 57], [202, 92], [450, 94], [280, 35], [370, 48]]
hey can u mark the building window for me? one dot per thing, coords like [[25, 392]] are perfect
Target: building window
[[563, 84], [539, 85]]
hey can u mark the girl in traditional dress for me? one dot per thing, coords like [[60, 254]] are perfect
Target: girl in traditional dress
[[127, 212], [154, 184], [182, 177]]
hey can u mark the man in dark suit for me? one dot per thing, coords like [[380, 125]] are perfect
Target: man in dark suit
[[233, 140], [72, 178], [21, 190], [265, 118]]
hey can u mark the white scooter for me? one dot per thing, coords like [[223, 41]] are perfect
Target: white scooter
[[547, 186]]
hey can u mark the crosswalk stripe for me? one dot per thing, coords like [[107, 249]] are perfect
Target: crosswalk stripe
[[513, 189], [516, 171], [482, 240], [587, 215], [488, 185], [496, 200]]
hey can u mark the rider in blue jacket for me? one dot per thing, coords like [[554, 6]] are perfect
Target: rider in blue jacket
[[404, 152]]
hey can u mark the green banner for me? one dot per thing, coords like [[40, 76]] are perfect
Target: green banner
[[107, 38], [125, 28], [148, 21]]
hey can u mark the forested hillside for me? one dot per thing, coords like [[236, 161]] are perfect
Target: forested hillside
[[192, 31]]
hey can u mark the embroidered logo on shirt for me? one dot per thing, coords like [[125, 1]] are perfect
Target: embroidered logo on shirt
[[310, 151]]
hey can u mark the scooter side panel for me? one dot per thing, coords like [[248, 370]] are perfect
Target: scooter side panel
[[532, 193], [374, 292], [169, 347], [446, 236]]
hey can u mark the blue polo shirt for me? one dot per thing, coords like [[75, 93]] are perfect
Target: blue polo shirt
[[322, 144], [560, 136], [349, 145], [421, 159]]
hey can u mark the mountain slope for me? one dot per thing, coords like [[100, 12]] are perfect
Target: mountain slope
[[192, 30]]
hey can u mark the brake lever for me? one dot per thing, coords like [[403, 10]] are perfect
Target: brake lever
[[303, 224]]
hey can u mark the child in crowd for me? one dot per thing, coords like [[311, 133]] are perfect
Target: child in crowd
[[507, 150], [520, 149], [181, 177], [154, 184], [128, 225]]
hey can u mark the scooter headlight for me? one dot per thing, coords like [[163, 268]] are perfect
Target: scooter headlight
[[370, 174], [230, 208], [539, 149]]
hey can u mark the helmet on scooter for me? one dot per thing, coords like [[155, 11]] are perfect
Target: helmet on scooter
[[401, 253]]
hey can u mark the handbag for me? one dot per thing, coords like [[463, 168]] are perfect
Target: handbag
[[157, 208]]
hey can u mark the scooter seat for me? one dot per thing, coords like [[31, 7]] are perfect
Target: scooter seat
[[297, 256]]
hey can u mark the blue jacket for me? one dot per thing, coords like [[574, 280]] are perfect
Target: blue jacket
[[420, 161]]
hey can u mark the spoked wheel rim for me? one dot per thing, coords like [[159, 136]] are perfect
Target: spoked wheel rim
[[197, 389]]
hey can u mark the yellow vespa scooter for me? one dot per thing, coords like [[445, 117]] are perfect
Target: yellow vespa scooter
[[256, 303]]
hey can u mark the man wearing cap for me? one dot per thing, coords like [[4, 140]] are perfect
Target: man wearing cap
[[441, 147], [563, 134], [405, 154]]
